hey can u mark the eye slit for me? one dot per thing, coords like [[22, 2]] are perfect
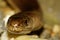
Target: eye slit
[[26, 22]]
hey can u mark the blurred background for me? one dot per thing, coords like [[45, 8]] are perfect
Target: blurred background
[[49, 8]]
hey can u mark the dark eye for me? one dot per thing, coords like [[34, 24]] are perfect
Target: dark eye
[[26, 22]]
